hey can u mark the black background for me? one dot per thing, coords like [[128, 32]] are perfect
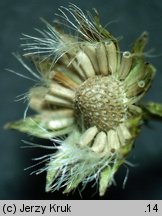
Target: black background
[[133, 17]]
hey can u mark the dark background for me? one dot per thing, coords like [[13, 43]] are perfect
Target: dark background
[[133, 17]]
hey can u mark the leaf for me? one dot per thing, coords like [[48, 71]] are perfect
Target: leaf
[[138, 48], [140, 43], [43, 66], [105, 180], [152, 110], [52, 172], [107, 175], [134, 125], [73, 185], [37, 126]]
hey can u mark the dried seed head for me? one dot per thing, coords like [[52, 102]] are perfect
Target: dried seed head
[[91, 94], [101, 101]]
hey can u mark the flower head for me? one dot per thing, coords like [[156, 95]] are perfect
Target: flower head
[[87, 101]]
